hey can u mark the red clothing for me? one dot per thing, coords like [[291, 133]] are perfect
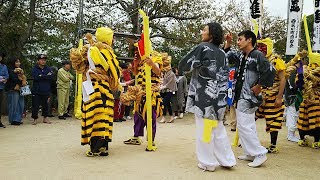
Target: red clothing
[[118, 110], [126, 74]]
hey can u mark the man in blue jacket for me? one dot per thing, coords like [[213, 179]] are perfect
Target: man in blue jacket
[[4, 75], [42, 76]]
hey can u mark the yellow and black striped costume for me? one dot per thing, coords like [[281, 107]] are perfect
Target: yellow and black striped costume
[[97, 113], [141, 107], [272, 114], [309, 110]]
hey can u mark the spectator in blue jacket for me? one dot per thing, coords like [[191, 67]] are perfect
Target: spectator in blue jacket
[[42, 77], [4, 75]]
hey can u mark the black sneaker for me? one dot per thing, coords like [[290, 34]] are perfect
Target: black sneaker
[[117, 120], [122, 119], [15, 123], [62, 117], [67, 115], [50, 115]]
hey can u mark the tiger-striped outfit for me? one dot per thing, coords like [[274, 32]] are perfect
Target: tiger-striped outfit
[[97, 112], [272, 114], [140, 107], [309, 111]]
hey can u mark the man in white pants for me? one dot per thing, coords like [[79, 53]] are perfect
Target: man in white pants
[[207, 98], [291, 111], [254, 72]]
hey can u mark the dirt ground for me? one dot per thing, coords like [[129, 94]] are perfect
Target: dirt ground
[[54, 152]]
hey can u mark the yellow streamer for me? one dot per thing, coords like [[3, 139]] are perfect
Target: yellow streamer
[[313, 57], [147, 47], [236, 139], [78, 91]]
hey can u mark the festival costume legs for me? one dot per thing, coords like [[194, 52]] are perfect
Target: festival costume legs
[[274, 118], [140, 123], [138, 128], [309, 122], [249, 138], [218, 151], [291, 122]]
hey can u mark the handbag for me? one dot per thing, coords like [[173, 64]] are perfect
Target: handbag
[[25, 90]]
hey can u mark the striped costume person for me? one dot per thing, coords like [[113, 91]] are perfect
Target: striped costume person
[[272, 108], [101, 71]]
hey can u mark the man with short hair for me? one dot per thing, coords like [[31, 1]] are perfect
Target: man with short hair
[[63, 89], [42, 76], [254, 72]]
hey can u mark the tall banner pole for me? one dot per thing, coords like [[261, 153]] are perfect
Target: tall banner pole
[[147, 46]]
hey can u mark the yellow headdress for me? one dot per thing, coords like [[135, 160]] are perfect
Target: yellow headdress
[[314, 58], [104, 34], [268, 42]]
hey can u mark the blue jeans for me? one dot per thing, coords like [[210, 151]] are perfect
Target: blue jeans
[[16, 106]]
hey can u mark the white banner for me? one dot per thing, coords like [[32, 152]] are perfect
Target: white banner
[[294, 22], [316, 26], [256, 11]]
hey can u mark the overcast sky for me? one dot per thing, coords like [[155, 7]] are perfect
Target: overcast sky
[[280, 7]]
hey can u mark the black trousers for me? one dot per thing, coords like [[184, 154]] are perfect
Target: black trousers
[[38, 100], [166, 99]]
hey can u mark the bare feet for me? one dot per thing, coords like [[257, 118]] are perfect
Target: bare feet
[[34, 122], [45, 120]]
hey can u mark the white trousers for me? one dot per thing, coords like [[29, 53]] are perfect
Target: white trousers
[[250, 143], [292, 117], [218, 151]]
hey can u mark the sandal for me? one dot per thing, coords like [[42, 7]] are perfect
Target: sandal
[[171, 121], [133, 141], [89, 153]]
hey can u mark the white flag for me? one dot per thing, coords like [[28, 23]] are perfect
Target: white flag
[[316, 26], [294, 22], [256, 12]]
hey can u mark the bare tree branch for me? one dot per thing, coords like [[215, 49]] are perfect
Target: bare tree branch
[[32, 17], [123, 4], [173, 16]]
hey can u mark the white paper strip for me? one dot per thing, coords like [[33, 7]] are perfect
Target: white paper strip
[[294, 22], [316, 26]]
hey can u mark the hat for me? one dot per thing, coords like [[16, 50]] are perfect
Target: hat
[[105, 35], [42, 56], [65, 62]]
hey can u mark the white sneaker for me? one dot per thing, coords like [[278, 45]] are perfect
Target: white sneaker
[[181, 115], [206, 168], [293, 138], [176, 117], [246, 158], [128, 118], [258, 160], [163, 120]]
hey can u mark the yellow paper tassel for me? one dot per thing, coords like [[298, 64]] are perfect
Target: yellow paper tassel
[[208, 126]]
